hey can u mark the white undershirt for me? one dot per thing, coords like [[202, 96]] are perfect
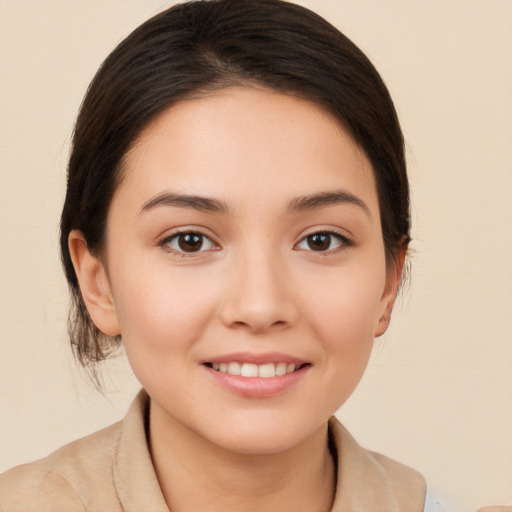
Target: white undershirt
[[434, 504]]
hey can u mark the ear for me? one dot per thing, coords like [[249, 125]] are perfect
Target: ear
[[393, 279], [94, 285]]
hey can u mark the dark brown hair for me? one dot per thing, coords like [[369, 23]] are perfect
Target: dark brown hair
[[200, 46]]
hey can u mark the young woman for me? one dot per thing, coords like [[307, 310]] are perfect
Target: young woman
[[237, 215]]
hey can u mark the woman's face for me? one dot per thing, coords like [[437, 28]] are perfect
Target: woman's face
[[245, 237]]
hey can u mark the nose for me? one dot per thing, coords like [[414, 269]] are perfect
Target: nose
[[260, 295]]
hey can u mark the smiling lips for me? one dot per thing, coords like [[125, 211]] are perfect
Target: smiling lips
[[257, 375], [264, 371]]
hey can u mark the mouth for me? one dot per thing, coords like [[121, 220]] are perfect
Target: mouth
[[257, 376], [251, 370]]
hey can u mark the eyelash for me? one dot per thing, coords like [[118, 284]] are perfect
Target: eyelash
[[165, 243], [344, 242]]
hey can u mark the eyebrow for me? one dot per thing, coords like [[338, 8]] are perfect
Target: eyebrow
[[325, 199], [299, 204], [203, 204]]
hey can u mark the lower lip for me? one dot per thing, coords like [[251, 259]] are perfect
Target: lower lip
[[258, 387]]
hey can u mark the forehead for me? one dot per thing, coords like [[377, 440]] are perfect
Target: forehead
[[246, 143]]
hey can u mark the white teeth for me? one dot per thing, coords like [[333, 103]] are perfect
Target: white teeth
[[234, 368], [290, 368], [280, 369], [264, 371], [267, 370], [249, 370]]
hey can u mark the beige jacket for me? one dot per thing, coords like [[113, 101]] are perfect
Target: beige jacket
[[111, 471]]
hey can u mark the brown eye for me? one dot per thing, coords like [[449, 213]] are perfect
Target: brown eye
[[322, 242], [319, 242], [189, 242]]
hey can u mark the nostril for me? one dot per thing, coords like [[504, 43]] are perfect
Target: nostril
[[258, 313]]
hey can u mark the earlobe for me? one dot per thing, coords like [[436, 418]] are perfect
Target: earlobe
[[94, 285], [384, 321], [393, 279]]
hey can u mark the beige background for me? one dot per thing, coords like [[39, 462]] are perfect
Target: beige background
[[438, 392]]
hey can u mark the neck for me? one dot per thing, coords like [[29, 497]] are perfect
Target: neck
[[196, 475]]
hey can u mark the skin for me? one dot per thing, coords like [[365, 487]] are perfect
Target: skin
[[256, 285]]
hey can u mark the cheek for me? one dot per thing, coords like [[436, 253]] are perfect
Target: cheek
[[347, 327], [161, 313], [347, 302], [345, 314]]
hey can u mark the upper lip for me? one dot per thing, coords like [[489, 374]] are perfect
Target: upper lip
[[255, 358]]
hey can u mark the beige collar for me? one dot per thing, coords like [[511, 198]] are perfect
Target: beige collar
[[134, 475], [366, 481]]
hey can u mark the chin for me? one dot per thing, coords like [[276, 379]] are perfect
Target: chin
[[246, 442], [269, 434]]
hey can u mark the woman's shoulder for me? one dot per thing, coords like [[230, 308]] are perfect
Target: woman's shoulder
[[56, 481], [34, 487]]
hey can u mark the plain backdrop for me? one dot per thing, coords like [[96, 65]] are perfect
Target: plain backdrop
[[438, 391]]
